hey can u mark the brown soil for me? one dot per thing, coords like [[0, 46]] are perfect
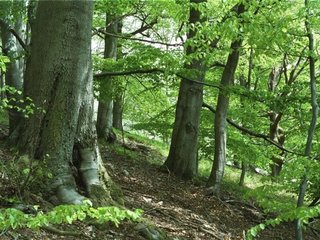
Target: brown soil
[[178, 208]]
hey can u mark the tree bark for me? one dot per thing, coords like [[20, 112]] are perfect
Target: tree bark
[[2, 84], [244, 168], [14, 68], [275, 132], [118, 111], [105, 108], [315, 111], [59, 82], [182, 159], [119, 92], [220, 122]]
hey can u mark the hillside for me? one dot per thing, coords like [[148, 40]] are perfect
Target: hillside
[[173, 209]]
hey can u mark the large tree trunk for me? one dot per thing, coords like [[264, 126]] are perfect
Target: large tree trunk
[[105, 108], [14, 68], [220, 123], [59, 82], [182, 159]]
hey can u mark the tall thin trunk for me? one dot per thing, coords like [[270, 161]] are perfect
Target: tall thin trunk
[[105, 108], [118, 110], [182, 159], [2, 84], [119, 93], [220, 123], [275, 132], [313, 123], [244, 167], [14, 71], [246, 84]]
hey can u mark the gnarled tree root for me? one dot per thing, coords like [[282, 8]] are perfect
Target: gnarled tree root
[[57, 231]]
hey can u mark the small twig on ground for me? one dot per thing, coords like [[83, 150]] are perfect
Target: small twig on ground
[[314, 231], [209, 232]]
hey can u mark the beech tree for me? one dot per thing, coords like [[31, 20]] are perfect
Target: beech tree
[[11, 47], [220, 122], [168, 47], [61, 133], [105, 108], [315, 112], [182, 158]]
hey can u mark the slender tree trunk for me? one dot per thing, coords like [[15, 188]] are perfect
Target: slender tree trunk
[[313, 123], [59, 82], [105, 108], [118, 111], [275, 132], [119, 92], [2, 84], [182, 159], [244, 168], [220, 123], [14, 71], [246, 84]]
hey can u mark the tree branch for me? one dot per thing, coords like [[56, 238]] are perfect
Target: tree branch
[[217, 64], [125, 73], [21, 42], [138, 39], [152, 70], [145, 26], [251, 133]]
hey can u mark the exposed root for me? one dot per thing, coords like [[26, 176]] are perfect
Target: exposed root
[[67, 195], [57, 231]]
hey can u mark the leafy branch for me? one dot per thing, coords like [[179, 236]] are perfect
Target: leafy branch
[[252, 133]]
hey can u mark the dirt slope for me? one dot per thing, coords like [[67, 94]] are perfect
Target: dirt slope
[[178, 208]]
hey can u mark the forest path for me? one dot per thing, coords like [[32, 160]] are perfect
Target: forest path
[[181, 208]]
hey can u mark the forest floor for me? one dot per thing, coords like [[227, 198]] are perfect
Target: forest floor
[[178, 208]]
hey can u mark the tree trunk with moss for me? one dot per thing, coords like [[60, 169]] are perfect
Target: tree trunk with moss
[[60, 134]]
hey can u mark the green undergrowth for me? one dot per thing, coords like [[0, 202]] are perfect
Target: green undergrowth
[[123, 152], [155, 144], [11, 218], [4, 117], [263, 191], [253, 182], [139, 148], [232, 178]]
